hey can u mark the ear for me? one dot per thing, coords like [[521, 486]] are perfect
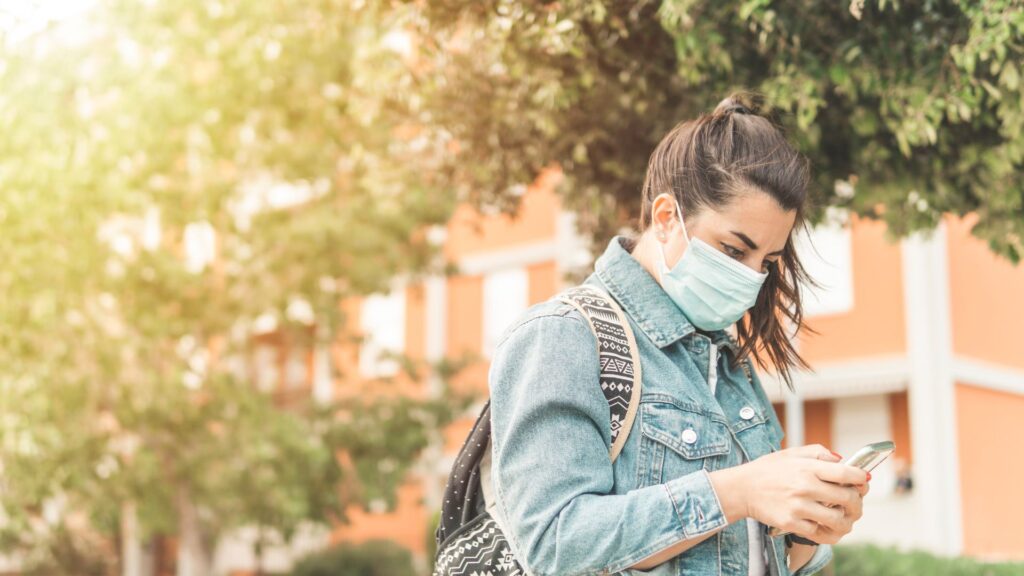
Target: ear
[[663, 216]]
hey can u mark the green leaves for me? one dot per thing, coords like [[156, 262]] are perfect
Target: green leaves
[[167, 181], [923, 96]]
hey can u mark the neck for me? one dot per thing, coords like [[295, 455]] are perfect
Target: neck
[[648, 254]]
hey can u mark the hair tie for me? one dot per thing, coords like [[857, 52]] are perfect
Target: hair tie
[[738, 109]]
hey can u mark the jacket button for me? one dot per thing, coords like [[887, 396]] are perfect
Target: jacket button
[[689, 436], [746, 413]]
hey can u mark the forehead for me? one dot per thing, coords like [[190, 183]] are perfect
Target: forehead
[[754, 213]]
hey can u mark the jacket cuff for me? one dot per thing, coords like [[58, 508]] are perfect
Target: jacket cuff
[[696, 504], [822, 556]]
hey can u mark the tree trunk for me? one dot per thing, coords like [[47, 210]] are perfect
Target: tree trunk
[[193, 558], [131, 544], [258, 551]]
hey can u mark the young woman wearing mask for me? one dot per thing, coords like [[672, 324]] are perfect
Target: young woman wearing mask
[[701, 477]]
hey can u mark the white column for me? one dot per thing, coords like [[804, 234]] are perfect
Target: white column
[[795, 417], [573, 252], [794, 401], [323, 380], [436, 305], [932, 391]]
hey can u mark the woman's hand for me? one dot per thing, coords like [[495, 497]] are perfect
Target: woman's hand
[[805, 490], [801, 490]]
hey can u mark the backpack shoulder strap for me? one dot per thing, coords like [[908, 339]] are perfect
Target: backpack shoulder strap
[[619, 357]]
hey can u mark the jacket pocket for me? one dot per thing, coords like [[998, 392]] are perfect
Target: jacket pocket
[[678, 438]]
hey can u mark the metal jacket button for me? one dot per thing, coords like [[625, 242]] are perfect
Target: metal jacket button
[[689, 436], [746, 413]]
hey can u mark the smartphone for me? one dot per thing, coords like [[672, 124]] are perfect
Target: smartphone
[[866, 459], [871, 455]]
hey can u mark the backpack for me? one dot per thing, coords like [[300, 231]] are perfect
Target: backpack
[[469, 539]]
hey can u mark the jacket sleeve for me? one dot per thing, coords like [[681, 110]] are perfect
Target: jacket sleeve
[[822, 556], [552, 473]]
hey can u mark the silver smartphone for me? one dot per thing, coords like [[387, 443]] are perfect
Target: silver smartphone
[[866, 459], [871, 455]]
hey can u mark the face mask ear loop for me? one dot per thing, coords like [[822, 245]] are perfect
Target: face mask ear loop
[[683, 224], [661, 248]]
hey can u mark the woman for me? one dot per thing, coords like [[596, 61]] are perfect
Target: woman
[[701, 477]]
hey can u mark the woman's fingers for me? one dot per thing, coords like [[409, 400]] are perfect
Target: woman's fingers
[[805, 528], [862, 489], [824, 535], [829, 494], [833, 518], [816, 451], [829, 457], [840, 473]]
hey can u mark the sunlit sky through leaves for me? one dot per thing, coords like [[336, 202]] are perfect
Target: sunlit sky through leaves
[[22, 18]]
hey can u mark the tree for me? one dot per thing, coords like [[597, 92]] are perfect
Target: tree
[[175, 178], [907, 110]]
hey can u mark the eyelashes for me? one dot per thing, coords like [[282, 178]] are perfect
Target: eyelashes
[[732, 251], [738, 254]]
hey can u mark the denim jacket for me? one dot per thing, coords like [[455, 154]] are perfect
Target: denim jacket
[[566, 509]]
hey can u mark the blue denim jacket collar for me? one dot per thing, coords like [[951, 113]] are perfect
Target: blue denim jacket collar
[[644, 300]]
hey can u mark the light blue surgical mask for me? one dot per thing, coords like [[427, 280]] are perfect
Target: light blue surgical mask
[[712, 289]]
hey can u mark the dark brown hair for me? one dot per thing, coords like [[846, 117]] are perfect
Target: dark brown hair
[[706, 163]]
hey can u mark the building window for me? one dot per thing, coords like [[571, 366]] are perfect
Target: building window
[[383, 327], [296, 368], [266, 372], [861, 420], [827, 255], [506, 297]]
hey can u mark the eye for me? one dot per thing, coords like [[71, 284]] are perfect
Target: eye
[[732, 252]]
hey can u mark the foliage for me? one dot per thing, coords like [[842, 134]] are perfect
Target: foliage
[[177, 178], [907, 110], [887, 561], [435, 520], [372, 558]]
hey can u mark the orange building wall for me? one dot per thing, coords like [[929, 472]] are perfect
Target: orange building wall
[[543, 281], [875, 326], [817, 422], [987, 318], [415, 322], [899, 411], [465, 329], [407, 524], [990, 427], [470, 232]]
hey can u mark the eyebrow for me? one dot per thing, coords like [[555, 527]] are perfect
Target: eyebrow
[[750, 243]]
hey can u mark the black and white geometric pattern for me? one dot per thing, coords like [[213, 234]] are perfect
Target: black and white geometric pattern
[[614, 351], [479, 550], [469, 540]]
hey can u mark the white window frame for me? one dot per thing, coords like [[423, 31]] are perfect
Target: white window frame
[[266, 371], [382, 322], [506, 295], [827, 256]]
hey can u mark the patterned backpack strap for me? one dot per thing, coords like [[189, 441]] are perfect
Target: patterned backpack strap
[[618, 354]]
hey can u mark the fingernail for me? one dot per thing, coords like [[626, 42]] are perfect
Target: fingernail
[[836, 455], [869, 476]]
